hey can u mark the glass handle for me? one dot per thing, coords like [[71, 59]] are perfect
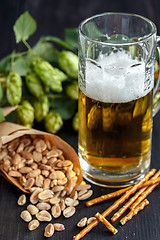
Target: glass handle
[[156, 92]]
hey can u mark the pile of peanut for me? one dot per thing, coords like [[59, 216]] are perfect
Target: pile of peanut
[[42, 169]]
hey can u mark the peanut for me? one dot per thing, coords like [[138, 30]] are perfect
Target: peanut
[[56, 211], [44, 216], [37, 156], [57, 188], [86, 195], [20, 148], [58, 175], [82, 187], [27, 155], [82, 222], [34, 195], [32, 209], [33, 225], [54, 200], [33, 173], [45, 194], [46, 184], [91, 219], [71, 202], [39, 181], [68, 212], [14, 173], [58, 227], [40, 146], [43, 206], [26, 216], [52, 153], [21, 200], [49, 230], [62, 204], [16, 159], [45, 173], [25, 170], [29, 183]]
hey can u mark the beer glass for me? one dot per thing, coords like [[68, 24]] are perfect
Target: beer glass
[[117, 54]]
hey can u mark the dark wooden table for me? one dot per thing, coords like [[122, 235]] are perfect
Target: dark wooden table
[[144, 226]]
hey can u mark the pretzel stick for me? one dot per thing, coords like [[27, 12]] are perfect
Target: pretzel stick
[[106, 223], [134, 211], [119, 192], [107, 196], [114, 206], [146, 192], [143, 196], [129, 203], [151, 182]]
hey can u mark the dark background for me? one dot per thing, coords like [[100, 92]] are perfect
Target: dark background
[[53, 16]]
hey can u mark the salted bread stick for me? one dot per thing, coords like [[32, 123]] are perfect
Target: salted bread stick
[[134, 211], [114, 205], [119, 192], [106, 223], [132, 200]]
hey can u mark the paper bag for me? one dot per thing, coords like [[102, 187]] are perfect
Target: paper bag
[[10, 131]]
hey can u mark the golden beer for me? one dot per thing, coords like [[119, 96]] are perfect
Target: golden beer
[[115, 137], [116, 81]]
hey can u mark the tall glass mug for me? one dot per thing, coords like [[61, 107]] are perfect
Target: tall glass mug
[[116, 87]]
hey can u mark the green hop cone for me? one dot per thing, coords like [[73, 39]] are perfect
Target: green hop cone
[[75, 122], [156, 99], [50, 76], [25, 114], [34, 85], [53, 122], [156, 66], [41, 108], [14, 88], [34, 62], [72, 90], [68, 61]]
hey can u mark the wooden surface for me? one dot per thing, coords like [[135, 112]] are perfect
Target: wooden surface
[[52, 18], [144, 226]]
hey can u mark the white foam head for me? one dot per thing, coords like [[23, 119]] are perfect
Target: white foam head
[[120, 78]]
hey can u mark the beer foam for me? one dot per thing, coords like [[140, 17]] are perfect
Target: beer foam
[[115, 78]]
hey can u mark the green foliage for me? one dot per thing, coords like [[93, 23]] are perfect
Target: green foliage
[[2, 118], [57, 40], [20, 66], [72, 90], [46, 51], [5, 64], [24, 27], [65, 107], [71, 37], [40, 80], [1, 91]]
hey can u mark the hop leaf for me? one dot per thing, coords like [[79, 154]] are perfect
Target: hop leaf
[[24, 27]]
